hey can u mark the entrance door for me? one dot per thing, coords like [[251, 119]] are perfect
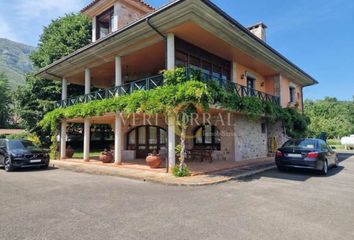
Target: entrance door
[[250, 86], [146, 139]]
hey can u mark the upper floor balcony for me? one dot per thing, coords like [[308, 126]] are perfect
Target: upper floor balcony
[[152, 82]]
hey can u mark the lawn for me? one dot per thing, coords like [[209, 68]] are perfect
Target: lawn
[[335, 143], [93, 153]]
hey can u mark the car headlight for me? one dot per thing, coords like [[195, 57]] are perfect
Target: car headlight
[[17, 155]]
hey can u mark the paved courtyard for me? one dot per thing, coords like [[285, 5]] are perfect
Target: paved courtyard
[[59, 204]]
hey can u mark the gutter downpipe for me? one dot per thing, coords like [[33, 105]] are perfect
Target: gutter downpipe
[[161, 34], [165, 39]]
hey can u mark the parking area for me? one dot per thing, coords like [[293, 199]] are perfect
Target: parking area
[[59, 204]]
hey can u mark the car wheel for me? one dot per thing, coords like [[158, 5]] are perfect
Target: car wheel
[[45, 166], [325, 168], [8, 165], [281, 169]]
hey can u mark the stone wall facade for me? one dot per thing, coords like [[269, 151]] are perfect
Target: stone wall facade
[[127, 14], [276, 130], [250, 141]]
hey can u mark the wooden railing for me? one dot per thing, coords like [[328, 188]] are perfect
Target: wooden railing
[[143, 84], [156, 81]]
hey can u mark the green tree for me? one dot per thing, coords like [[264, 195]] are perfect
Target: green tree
[[62, 37], [334, 117], [5, 101]]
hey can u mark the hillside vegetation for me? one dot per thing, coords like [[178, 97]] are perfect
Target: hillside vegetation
[[330, 115], [15, 61]]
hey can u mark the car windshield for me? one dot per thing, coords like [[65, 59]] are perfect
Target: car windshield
[[21, 145], [302, 143]]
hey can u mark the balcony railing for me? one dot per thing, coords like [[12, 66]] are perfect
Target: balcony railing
[[128, 88], [240, 90], [156, 81]]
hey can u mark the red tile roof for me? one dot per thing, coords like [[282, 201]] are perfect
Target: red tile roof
[[96, 1]]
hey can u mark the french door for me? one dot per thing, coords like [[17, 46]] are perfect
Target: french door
[[146, 139]]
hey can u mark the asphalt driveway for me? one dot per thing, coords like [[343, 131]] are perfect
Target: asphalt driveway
[[58, 204]]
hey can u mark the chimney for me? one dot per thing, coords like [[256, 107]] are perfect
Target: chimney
[[259, 30]]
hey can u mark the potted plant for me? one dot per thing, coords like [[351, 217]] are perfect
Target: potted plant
[[69, 152], [154, 160], [106, 156]]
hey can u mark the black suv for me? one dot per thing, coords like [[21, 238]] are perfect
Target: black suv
[[22, 154]]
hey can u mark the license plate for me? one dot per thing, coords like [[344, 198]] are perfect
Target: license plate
[[294, 155], [36, 161]]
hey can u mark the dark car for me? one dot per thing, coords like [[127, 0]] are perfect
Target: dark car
[[22, 154], [306, 153]]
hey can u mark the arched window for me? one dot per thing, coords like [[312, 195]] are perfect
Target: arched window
[[207, 136]]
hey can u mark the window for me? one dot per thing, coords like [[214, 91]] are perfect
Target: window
[[207, 136], [206, 67], [264, 127], [188, 55], [104, 23], [20, 145], [301, 143], [324, 146], [181, 59], [194, 62], [292, 94]]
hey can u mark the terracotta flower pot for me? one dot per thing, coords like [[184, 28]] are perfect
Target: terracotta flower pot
[[106, 157], [69, 152], [154, 161]]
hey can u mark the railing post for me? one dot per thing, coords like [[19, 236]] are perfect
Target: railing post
[[147, 84], [131, 87]]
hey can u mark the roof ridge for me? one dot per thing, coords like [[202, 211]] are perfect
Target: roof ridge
[[96, 1]]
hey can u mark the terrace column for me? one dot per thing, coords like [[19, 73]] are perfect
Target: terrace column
[[87, 123], [64, 89], [171, 64], [87, 126], [118, 69], [171, 59], [87, 81], [63, 140], [64, 96], [234, 72], [118, 133], [118, 139]]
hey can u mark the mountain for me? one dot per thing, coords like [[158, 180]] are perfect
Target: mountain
[[15, 61]]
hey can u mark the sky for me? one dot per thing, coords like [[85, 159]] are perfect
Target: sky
[[317, 35]]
